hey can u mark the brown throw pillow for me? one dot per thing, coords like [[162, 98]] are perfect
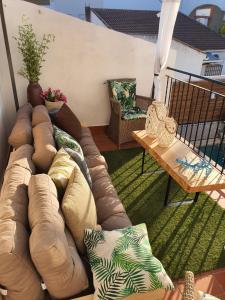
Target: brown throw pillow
[[40, 115], [44, 145], [21, 133], [66, 120]]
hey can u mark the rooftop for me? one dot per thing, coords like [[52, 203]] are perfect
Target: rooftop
[[143, 22]]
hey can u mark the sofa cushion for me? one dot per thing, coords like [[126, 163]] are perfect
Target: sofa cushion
[[22, 157], [21, 133], [123, 264], [95, 160], [40, 115], [52, 253], [43, 203], [101, 183], [44, 146], [14, 198], [79, 159], [116, 221], [61, 170], [108, 206], [65, 140], [78, 207], [17, 273], [68, 121]]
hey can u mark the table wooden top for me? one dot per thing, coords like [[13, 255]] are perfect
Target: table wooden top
[[186, 178]]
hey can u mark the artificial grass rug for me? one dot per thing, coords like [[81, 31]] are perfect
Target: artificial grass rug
[[185, 237]]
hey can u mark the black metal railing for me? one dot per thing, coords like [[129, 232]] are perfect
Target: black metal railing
[[213, 70], [199, 109]]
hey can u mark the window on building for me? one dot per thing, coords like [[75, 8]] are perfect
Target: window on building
[[202, 15]]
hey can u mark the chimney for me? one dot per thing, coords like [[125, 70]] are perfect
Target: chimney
[[88, 13]]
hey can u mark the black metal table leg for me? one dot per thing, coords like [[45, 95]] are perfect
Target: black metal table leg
[[143, 161], [167, 190], [196, 196]]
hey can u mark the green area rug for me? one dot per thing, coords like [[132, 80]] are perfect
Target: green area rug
[[188, 237]]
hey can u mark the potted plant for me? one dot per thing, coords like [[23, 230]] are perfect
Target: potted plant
[[54, 99], [33, 52]]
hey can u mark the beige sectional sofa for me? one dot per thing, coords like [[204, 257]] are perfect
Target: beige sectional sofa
[[19, 270]]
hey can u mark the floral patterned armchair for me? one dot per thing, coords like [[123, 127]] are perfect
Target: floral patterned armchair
[[128, 111]]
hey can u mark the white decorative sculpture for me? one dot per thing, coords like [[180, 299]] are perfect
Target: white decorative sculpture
[[168, 133], [156, 115]]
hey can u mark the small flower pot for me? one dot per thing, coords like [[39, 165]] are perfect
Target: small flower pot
[[53, 105], [34, 91]]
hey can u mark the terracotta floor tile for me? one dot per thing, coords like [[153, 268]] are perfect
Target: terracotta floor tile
[[220, 277], [209, 284], [175, 295]]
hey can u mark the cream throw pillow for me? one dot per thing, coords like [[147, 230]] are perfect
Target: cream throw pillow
[[78, 207], [61, 169]]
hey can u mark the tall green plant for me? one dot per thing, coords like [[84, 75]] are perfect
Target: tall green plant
[[32, 50]]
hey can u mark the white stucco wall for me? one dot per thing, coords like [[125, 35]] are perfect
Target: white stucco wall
[[181, 56], [81, 59]]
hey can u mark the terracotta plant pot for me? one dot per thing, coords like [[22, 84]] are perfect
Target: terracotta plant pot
[[53, 105], [34, 94]]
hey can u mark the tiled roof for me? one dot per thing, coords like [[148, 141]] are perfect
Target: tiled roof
[[39, 2], [144, 22]]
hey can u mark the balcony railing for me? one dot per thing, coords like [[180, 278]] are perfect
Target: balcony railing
[[199, 109]]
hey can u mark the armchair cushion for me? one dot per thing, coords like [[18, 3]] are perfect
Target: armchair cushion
[[204, 296], [133, 113], [124, 92]]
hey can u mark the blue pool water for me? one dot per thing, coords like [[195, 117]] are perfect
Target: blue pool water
[[217, 153]]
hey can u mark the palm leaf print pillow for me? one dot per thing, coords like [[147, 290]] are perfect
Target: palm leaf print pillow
[[124, 92], [123, 264]]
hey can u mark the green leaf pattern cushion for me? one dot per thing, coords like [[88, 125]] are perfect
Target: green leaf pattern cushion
[[65, 140], [61, 170], [122, 263], [124, 92]]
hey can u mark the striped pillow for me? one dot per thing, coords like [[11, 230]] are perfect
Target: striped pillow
[[61, 170]]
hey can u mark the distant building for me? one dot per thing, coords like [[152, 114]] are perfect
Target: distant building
[[39, 2], [197, 47], [209, 15]]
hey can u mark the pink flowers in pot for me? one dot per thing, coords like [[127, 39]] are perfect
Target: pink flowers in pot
[[53, 95]]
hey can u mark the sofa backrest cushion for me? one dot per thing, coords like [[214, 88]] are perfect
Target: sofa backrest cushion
[[21, 133], [17, 273], [61, 170], [40, 115], [66, 119], [44, 145], [78, 207], [110, 210], [55, 259], [22, 157]]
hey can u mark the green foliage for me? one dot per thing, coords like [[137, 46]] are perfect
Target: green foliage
[[222, 29], [32, 50]]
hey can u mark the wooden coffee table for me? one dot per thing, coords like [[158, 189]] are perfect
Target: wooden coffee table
[[166, 158]]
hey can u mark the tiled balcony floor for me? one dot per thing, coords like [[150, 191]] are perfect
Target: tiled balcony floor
[[211, 282]]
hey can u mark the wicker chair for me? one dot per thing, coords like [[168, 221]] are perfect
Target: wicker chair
[[120, 130]]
